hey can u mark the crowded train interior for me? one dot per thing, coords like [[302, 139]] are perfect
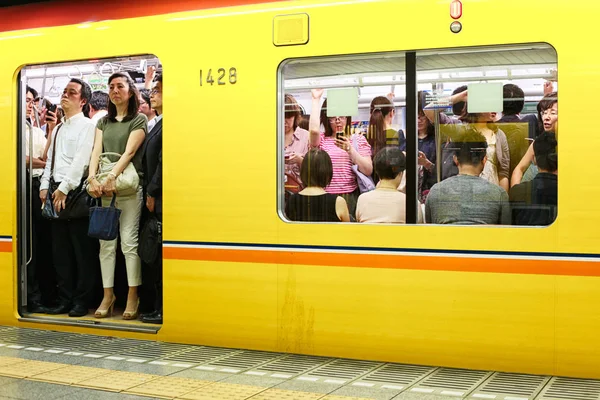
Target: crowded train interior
[[343, 119]]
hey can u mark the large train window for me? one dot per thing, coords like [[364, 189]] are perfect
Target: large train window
[[485, 128], [67, 276]]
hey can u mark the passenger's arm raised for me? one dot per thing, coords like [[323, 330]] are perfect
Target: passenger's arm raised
[[520, 169], [430, 108], [314, 124]]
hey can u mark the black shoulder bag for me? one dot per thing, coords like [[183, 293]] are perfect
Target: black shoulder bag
[[78, 201]]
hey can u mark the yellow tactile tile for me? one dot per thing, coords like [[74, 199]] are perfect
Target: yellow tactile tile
[[28, 368], [117, 381], [71, 375], [223, 391], [10, 361], [168, 387], [278, 394]]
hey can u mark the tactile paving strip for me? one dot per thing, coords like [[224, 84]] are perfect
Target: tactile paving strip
[[5, 361], [168, 387], [117, 381], [223, 391], [28, 368], [278, 394], [71, 375]]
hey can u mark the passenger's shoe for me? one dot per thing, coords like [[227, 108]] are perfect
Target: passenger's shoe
[[128, 315], [156, 318], [150, 314], [36, 307], [61, 309], [104, 313], [78, 310]]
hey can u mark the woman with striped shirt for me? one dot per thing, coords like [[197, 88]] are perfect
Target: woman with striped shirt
[[338, 143]]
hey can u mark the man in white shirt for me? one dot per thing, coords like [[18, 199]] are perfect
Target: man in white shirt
[[98, 106], [75, 254]]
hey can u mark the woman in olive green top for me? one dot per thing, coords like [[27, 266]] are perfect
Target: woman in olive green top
[[121, 131]]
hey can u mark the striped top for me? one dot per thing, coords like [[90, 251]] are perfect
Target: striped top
[[344, 180]]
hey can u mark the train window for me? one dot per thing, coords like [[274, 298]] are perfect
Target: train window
[[63, 107], [490, 113]]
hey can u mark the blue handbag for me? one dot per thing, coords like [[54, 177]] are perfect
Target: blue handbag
[[104, 221]]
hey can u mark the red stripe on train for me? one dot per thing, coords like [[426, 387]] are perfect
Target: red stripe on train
[[68, 12]]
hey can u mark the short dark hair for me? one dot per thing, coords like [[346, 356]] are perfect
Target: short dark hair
[[459, 108], [389, 162], [86, 94], [158, 78], [317, 169], [544, 149], [514, 99], [99, 100], [545, 103], [32, 91], [470, 147], [145, 93], [134, 99]]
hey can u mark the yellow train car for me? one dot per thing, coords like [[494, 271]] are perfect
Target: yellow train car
[[238, 274]]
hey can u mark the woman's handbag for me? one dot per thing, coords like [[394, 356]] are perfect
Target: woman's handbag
[[365, 183], [150, 242], [77, 204], [127, 182], [104, 221]]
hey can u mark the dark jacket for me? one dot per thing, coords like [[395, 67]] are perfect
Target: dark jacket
[[152, 162], [535, 202]]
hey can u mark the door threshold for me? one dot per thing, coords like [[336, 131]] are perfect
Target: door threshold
[[103, 323]]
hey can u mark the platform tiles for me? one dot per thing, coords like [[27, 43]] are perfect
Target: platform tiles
[[175, 371]]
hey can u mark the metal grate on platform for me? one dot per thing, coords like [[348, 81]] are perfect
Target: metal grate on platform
[[200, 355], [571, 389], [451, 381], [345, 369], [294, 364], [400, 375], [510, 386]]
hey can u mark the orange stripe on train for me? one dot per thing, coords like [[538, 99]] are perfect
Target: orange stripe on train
[[414, 262]]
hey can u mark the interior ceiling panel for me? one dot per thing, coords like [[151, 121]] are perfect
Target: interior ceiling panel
[[428, 61]]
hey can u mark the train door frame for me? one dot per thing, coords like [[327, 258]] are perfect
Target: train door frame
[[22, 245]]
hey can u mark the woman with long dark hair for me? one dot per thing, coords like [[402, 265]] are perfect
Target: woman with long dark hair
[[121, 131]]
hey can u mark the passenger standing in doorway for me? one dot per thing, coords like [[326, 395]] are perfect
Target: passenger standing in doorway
[[146, 108], [74, 252], [122, 131], [40, 266], [152, 161], [98, 106]]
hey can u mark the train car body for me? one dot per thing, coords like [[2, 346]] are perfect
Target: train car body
[[238, 275]]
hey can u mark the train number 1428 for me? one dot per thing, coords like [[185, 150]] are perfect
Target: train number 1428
[[221, 77]]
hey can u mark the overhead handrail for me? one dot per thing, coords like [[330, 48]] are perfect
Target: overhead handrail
[[78, 70]]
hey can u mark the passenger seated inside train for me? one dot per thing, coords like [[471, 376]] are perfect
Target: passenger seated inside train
[[385, 204], [467, 198], [535, 202], [548, 122], [313, 203]]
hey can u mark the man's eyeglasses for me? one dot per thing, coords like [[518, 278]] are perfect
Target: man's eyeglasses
[[335, 119], [154, 91]]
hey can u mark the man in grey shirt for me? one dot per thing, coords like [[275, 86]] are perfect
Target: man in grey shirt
[[466, 198]]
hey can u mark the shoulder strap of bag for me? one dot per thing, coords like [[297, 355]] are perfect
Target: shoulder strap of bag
[[54, 151]]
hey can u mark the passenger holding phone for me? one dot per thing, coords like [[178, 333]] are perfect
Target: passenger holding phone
[[338, 143]]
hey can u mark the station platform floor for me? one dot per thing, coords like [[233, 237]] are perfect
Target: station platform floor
[[38, 364]]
